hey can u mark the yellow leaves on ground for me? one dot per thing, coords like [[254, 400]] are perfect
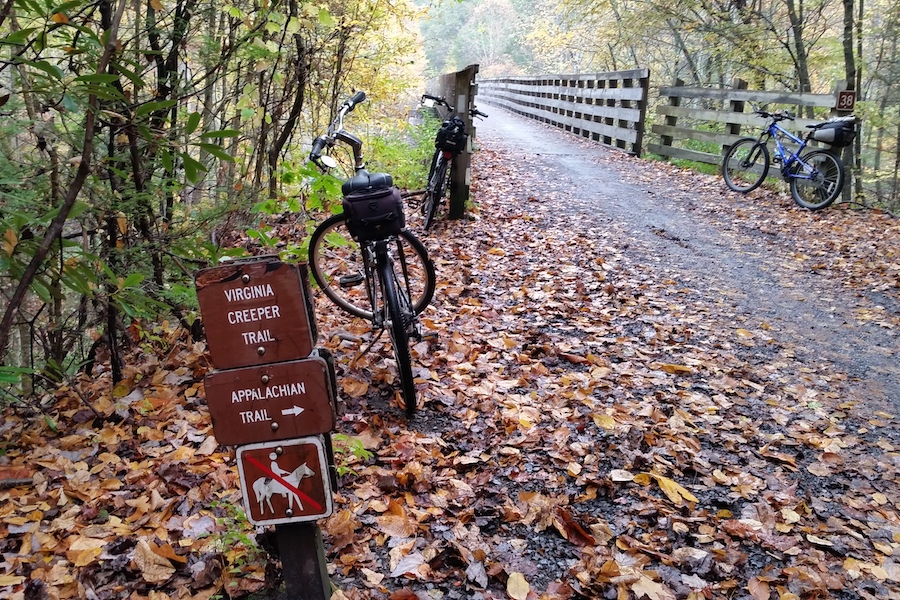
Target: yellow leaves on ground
[[517, 587], [604, 421], [355, 388], [646, 587], [152, 567], [676, 369], [396, 522], [676, 493]]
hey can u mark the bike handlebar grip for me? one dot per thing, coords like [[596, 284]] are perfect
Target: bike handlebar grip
[[356, 99], [317, 147]]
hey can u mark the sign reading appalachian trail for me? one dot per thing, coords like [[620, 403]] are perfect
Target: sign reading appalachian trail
[[285, 482], [256, 311], [270, 402]]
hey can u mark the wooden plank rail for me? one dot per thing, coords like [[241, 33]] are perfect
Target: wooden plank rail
[[606, 107]]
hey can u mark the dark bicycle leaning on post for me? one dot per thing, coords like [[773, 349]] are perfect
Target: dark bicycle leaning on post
[[365, 260], [450, 140]]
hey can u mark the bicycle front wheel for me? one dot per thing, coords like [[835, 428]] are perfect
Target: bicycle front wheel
[[746, 165], [399, 319], [817, 179], [436, 189], [336, 263]]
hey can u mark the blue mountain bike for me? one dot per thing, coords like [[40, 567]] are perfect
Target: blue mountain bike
[[815, 177]]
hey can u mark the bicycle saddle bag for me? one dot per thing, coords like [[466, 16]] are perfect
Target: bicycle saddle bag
[[838, 133], [452, 136], [364, 180], [374, 214]]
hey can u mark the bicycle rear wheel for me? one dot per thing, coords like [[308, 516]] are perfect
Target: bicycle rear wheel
[[400, 320], [437, 187], [817, 179], [336, 263], [746, 165]]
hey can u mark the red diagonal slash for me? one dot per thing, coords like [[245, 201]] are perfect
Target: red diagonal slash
[[281, 480]]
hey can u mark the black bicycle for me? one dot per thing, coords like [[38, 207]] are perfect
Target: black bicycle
[[449, 141], [815, 177], [365, 260]]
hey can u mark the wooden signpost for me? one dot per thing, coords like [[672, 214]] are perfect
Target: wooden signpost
[[273, 395]]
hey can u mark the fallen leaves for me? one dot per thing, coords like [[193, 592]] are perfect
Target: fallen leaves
[[517, 587], [593, 426]]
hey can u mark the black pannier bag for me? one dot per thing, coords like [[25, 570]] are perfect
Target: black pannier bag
[[451, 136], [374, 213], [838, 133]]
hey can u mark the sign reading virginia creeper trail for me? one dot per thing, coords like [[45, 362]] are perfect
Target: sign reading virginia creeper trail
[[256, 311]]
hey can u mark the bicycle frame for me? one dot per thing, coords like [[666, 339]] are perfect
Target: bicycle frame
[[375, 253], [784, 155], [787, 157]]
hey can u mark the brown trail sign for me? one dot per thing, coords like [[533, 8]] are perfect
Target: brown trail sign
[[256, 311], [268, 392], [270, 402], [285, 482]]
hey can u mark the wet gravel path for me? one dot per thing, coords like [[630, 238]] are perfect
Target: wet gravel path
[[749, 274]]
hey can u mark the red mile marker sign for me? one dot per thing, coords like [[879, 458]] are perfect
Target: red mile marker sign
[[285, 482], [270, 402]]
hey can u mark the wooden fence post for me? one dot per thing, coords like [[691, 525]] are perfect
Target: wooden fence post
[[459, 171], [642, 122], [671, 120], [736, 106]]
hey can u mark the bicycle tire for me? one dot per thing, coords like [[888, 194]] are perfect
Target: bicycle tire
[[820, 188], [333, 255], [745, 165], [399, 318], [435, 191]]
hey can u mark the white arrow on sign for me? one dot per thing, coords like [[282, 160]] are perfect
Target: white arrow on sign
[[294, 410]]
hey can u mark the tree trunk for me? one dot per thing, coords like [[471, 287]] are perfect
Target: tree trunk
[[81, 174], [851, 75]]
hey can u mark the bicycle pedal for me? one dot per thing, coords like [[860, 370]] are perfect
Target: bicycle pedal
[[351, 280], [429, 335]]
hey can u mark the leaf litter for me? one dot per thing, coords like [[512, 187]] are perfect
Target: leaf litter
[[591, 428]]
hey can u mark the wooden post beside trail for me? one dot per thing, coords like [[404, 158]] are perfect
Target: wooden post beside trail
[[459, 89]]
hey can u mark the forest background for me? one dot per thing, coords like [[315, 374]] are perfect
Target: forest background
[[135, 136]]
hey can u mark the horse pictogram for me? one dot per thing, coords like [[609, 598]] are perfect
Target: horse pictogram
[[266, 487]]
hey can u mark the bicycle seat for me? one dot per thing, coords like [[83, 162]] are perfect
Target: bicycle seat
[[363, 180]]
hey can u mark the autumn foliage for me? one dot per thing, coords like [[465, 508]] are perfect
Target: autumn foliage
[[592, 427]]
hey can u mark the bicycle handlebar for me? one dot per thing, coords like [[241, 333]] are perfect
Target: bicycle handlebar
[[336, 133], [473, 112], [778, 115], [351, 103], [439, 99]]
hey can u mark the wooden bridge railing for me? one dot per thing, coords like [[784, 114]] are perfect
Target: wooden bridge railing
[[606, 107], [694, 117]]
